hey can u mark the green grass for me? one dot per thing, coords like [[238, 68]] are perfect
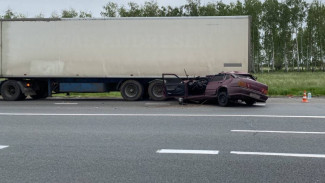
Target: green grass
[[73, 95], [293, 83]]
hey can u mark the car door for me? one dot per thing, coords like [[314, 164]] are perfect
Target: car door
[[214, 83], [173, 86]]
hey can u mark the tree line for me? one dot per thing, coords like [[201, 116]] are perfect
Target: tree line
[[287, 35]]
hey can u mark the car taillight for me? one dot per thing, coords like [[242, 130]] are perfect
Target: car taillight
[[243, 84], [264, 91]]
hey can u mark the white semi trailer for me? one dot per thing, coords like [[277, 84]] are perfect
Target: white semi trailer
[[42, 56]]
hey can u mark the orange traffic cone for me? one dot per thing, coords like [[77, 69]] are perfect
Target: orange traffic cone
[[304, 98]]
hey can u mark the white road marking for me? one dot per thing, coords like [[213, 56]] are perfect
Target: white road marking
[[160, 115], [260, 104], [183, 151], [279, 154], [65, 103], [2, 147], [156, 103], [265, 131]]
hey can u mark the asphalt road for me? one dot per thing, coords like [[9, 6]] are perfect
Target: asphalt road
[[79, 140]]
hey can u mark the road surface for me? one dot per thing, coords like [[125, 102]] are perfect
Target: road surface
[[89, 140]]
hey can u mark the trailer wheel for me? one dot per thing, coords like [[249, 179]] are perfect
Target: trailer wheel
[[223, 99], [11, 91], [156, 90], [131, 90]]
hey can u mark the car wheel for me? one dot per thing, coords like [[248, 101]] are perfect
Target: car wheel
[[223, 99], [131, 90], [156, 90]]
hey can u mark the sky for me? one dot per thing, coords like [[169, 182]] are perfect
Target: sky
[[31, 8]]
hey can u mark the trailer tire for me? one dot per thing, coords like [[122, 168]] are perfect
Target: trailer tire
[[11, 91], [223, 99], [131, 90], [156, 90]]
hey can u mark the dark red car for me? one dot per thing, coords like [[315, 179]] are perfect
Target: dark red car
[[226, 87]]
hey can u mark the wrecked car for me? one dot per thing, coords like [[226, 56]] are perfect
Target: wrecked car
[[225, 87]]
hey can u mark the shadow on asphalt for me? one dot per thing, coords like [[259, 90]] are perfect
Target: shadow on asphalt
[[215, 103]]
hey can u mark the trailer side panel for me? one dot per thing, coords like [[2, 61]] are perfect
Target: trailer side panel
[[0, 48], [125, 47]]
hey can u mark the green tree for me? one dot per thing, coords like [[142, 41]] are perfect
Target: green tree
[[236, 9], [110, 10], [208, 10], [316, 33], [84, 14], [222, 9], [284, 33], [303, 37], [192, 8], [174, 11], [254, 9], [134, 10], [70, 13], [270, 24], [9, 14], [297, 10], [151, 9]]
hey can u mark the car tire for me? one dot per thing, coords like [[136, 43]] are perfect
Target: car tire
[[132, 90], [156, 90], [223, 99], [11, 91]]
